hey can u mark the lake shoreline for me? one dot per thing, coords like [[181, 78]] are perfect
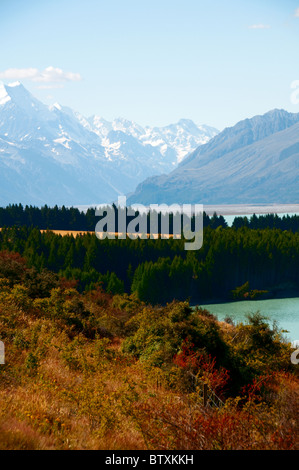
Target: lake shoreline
[[286, 294], [284, 311], [249, 209], [225, 300]]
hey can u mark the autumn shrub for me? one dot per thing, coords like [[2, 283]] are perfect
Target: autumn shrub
[[261, 346], [12, 266], [111, 312], [174, 424], [93, 370], [190, 339], [40, 283], [203, 368]]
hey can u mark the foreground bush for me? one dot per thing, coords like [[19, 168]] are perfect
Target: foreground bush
[[97, 371]]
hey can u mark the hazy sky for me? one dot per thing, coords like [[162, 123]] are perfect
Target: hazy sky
[[156, 61]]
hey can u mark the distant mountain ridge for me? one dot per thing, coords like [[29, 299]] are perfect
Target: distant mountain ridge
[[255, 161], [174, 141], [54, 155]]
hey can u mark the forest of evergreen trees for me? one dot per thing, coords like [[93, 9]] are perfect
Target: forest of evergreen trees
[[159, 271]]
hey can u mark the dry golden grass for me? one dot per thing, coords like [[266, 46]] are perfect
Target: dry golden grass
[[64, 233], [64, 408], [78, 233], [100, 235]]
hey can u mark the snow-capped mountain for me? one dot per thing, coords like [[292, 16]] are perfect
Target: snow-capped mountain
[[54, 155], [255, 161], [174, 142]]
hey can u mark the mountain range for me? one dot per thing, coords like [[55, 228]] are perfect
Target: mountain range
[[54, 155], [255, 161]]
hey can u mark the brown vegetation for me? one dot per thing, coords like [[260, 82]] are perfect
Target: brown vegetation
[[93, 371]]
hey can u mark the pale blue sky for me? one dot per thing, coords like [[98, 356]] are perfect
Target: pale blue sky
[[157, 61]]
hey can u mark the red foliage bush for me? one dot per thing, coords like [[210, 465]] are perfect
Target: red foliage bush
[[12, 266], [66, 284], [203, 366]]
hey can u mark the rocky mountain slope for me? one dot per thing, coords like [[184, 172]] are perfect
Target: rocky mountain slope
[[255, 161]]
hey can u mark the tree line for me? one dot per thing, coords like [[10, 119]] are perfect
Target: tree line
[[286, 222], [74, 219]]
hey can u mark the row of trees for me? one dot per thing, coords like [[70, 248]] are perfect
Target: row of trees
[[286, 222], [63, 218], [55, 218]]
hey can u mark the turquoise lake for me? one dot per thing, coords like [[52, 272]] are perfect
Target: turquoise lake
[[285, 312]]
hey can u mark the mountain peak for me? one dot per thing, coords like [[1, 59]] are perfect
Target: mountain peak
[[186, 121], [15, 84], [6, 91], [277, 111], [16, 93], [18, 96], [4, 96], [55, 106]]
